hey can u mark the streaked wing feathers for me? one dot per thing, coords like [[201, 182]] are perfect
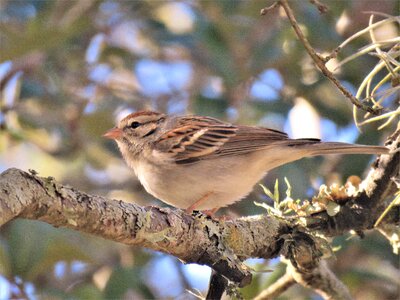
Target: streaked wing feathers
[[196, 138], [249, 139]]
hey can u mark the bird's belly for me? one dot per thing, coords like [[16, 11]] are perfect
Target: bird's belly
[[224, 182]]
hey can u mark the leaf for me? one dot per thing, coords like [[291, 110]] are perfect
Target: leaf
[[269, 209], [267, 191], [289, 188], [276, 193]]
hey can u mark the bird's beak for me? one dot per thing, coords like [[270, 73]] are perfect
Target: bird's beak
[[113, 133]]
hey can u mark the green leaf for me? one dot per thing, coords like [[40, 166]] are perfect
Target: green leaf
[[289, 189], [267, 191], [276, 193]]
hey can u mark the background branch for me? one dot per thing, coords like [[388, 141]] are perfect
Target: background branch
[[322, 280], [320, 62], [277, 288]]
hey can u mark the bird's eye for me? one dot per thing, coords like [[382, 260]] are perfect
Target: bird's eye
[[135, 124]]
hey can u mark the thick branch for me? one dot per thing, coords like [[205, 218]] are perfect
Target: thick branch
[[193, 239]]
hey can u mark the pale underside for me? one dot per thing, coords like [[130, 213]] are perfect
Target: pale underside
[[223, 180]]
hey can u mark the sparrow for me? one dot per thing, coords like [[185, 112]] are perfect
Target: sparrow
[[201, 163]]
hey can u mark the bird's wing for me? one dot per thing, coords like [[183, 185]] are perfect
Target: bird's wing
[[196, 138]]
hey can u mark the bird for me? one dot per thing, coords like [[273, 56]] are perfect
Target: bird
[[202, 163]]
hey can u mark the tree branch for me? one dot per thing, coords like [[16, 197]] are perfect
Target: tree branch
[[322, 280], [191, 238], [277, 288], [305, 267], [318, 60], [321, 7]]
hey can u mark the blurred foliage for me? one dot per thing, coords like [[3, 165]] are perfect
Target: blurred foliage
[[70, 69]]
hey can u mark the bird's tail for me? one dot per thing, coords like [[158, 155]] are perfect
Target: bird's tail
[[316, 147]]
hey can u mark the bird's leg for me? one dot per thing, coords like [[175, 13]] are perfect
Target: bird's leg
[[210, 212], [192, 207]]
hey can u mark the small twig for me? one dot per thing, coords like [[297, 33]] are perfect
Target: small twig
[[361, 32], [390, 116], [391, 233], [320, 61], [277, 288], [333, 54], [367, 29], [266, 10], [321, 7], [396, 201], [378, 13], [367, 49], [378, 50]]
